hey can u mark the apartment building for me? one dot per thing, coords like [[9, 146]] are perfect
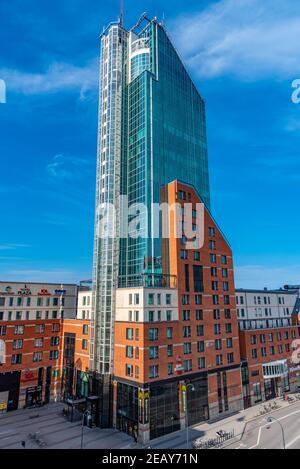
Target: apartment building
[[269, 329], [177, 359], [37, 325]]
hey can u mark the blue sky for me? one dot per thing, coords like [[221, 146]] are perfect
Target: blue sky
[[243, 55]]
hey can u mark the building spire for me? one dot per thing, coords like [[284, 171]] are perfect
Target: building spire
[[121, 12]]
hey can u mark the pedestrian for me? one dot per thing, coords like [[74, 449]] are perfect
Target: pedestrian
[[135, 434]]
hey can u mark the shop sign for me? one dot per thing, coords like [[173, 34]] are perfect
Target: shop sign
[[44, 292], [24, 291], [7, 291], [60, 292], [3, 406]]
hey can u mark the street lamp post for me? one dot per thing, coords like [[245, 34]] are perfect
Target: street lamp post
[[85, 414], [281, 426], [186, 412]]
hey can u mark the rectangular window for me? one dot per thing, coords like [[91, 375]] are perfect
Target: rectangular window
[[85, 329], [169, 332], [40, 328], [129, 351], [201, 363], [153, 371], [187, 277], [55, 341], [200, 346], [16, 359], [198, 278], [38, 343], [19, 330], [129, 334], [153, 353], [153, 334], [37, 357], [54, 354], [196, 256], [17, 344], [199, 314]]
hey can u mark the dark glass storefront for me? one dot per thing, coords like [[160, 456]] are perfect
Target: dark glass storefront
[[10, 382], [164, 409], [68, 365], [198, 410], [127, 408]]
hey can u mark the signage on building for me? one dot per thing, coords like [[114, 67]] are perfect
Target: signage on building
[[179, 367], [44, 292], [24, 291], [28, 376], [3, 406], [60, 292], [7, 291], [143, 395]]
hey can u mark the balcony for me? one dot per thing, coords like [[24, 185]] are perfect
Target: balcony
[[148, 281]]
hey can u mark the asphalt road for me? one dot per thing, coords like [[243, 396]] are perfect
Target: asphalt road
[[259, 434]]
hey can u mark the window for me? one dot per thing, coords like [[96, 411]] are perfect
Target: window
[[55, 341], [215, 299], [38, 315], [214, 285], [211, 232], [225, 286], [170, 369], [153, 353], [226, 300], [18, 316], [129, 370], [227, 314], [182, 195], [55, 301], [40, 328], [150, 298], [136, 298], [129, 351], [39, 343], [169, 315], [2, 301], [16, 359], [214, 271], [186, 331], [39, 302], [153, 334], [153, 371], [56, 328], [54, 314], [183, 254], [254, 353], [185, 299], [129, 334], [187, 348], [253, 340], [2, 331], [200, 331], [186, 315], [229, 343], [84, 344], [219, 360], [168, 299], [228, 328], [198, 299], [230, 358], [85, 329], [17, 344], [201, 363], [224, 273], [213, 258], [218, 344], [187, 365], [212, 245], [159, 299], [199, 314], [169, 332], [217, 314], [263, 352], [170, 350], [196, 256], [217, 329], [130, 298], [19, 330], [54, 354], [200, 346], [37, 357], [224, 260], [151, 316]]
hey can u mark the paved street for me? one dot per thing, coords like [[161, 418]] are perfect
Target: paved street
[[54, 431], [259, 434]]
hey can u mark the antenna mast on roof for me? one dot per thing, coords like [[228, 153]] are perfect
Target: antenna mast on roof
[[122, 13]]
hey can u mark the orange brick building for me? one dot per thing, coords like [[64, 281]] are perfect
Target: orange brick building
[[177, 354]]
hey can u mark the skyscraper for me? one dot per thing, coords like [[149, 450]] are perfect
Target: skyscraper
[[152, 130]]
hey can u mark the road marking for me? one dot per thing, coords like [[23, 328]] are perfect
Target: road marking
[[291, 443], [258, 438], [274, 422]]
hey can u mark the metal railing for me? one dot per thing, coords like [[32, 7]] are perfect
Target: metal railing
[[213, 442]]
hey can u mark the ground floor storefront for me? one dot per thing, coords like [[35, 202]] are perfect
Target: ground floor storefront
[[167, 406]]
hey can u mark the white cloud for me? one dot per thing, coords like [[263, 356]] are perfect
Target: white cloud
[[57, 77], [260, 276], [247, 39], [9, 247], [66, 167]]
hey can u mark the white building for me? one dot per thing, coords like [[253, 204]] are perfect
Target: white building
[[263, 309], [37, 301], [84, 306]]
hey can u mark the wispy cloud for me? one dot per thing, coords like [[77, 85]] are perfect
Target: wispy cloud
[[67, 167], [35, 275], [9, 247], [55, 78], [260, 276], [247, 39]]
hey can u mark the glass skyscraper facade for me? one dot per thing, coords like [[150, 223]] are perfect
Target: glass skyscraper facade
[[152, 130]]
